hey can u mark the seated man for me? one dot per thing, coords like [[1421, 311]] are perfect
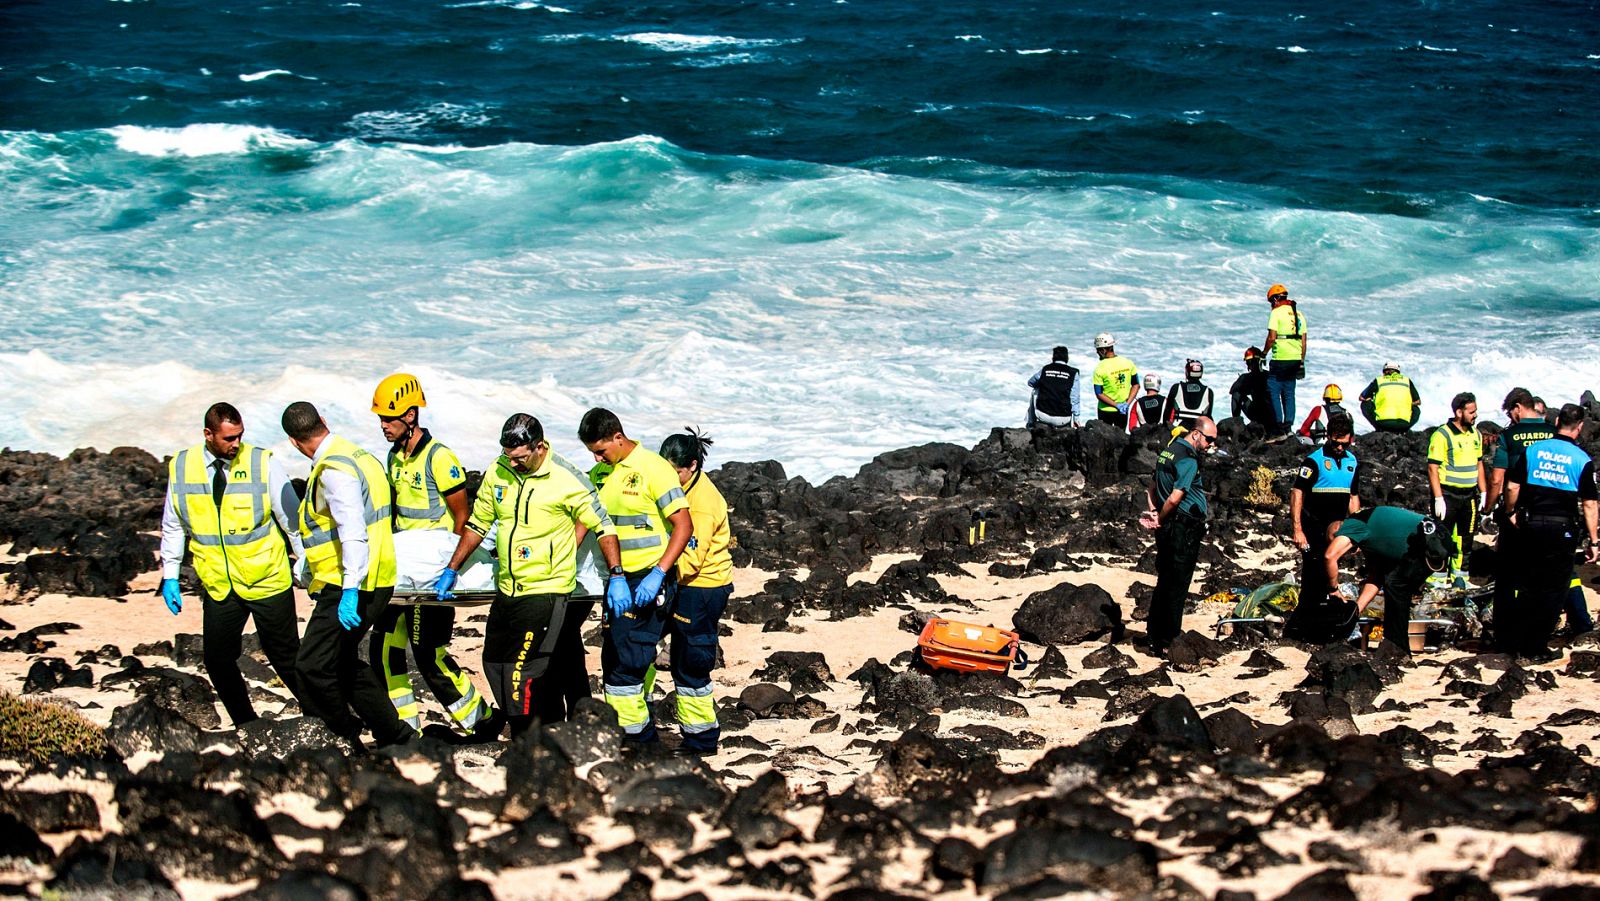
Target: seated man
[[1249, 392], [1055, 393], [1190, 399], [1149, 407], [1316, 425], [1390, 402]]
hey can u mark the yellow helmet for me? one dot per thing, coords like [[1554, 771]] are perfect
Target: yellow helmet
[[1332, 394], [397, 394]]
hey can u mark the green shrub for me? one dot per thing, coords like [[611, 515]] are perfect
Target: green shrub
[[39, 729]]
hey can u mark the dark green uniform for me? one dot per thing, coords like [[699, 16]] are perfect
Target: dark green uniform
[[1177, 541], [1396, 547]]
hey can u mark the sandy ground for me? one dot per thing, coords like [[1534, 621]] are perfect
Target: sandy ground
[[1393, 862]]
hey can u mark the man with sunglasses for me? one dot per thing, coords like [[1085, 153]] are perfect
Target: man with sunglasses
[[430, 494], [541, 507], [1178, 512], [1326, 491]]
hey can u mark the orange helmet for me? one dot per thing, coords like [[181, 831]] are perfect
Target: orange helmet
[[1276, 290]]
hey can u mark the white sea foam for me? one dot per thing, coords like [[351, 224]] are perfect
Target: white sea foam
[[1294, 49], [697, 43], [385, 125], [264, 74], [813, 314], [206, 139]]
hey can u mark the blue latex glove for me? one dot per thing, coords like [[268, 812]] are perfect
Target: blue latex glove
[[446, 581], [1123, 408], [349, 609], [618, 599], [169, 593], [645, 594]]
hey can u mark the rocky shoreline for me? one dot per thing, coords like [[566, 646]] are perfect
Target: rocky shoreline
[[1246, 767]]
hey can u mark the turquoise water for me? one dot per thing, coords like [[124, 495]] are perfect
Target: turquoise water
[[859, 252]]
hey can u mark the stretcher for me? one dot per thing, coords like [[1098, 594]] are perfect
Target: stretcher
[[421, 555]]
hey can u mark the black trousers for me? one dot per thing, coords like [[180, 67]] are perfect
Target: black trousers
[[1461, 522], [1546, 548], [1177, 550], [336, 684], [223, 631], [1314, 619], [1401, 580], [1508, 570], [533, 656]]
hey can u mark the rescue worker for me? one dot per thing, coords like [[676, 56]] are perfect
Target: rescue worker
[[705, 582], [1390, 402], [1286, 350], [1457, 481], [430, 494], [1326, 491], [1552, 493], [646, 502], [344, 524], [1400, 548], [1315, 427], [541, 507], [1527, 428], [1249, 393], [1055, 393], [224, 498], [1178, 512], [1190, 399], [1116, 380], [1150, 407]]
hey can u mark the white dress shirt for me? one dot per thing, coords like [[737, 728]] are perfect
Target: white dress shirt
[[285, 504], [340, 497]]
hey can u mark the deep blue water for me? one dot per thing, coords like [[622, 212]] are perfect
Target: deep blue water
[[823, 229]]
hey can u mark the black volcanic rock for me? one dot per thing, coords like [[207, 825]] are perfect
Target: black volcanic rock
[[51, 812], [148, 724], [187, 694], [1123, 866], [51, 673], [754, 815], [196, 832], [805, 671], [1067, 614]]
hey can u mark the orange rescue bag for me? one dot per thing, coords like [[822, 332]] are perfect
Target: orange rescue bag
[[968, 647]]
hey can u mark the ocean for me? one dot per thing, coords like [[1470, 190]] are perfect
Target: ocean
[[817, 230]]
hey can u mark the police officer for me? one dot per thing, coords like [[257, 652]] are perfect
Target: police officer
[[1190, 399], [1055, 393], [1178, 513], [1551, 490], [1116, 380], [646, 502], [430, 494], [1456, 478], [231, 504], [1390, 402], [1528, 427], [1286, 350], [1400, 549], [1326, 491], [344, 524], [542, 507]]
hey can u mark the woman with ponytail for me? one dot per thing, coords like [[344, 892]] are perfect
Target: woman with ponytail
[[705, 580]]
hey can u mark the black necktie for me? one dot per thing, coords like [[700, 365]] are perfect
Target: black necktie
[[219, 482]]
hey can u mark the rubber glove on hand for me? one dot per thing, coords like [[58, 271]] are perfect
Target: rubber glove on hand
[[1438, 508], [349, 609], [169, 593], [618, 599], [1123, 408], [645, 594], [445, 582]]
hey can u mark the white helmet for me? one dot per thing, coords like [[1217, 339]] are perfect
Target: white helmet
[[1103, 341], [1152, 382]]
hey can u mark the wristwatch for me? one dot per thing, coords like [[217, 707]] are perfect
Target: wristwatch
[[618, 571]]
